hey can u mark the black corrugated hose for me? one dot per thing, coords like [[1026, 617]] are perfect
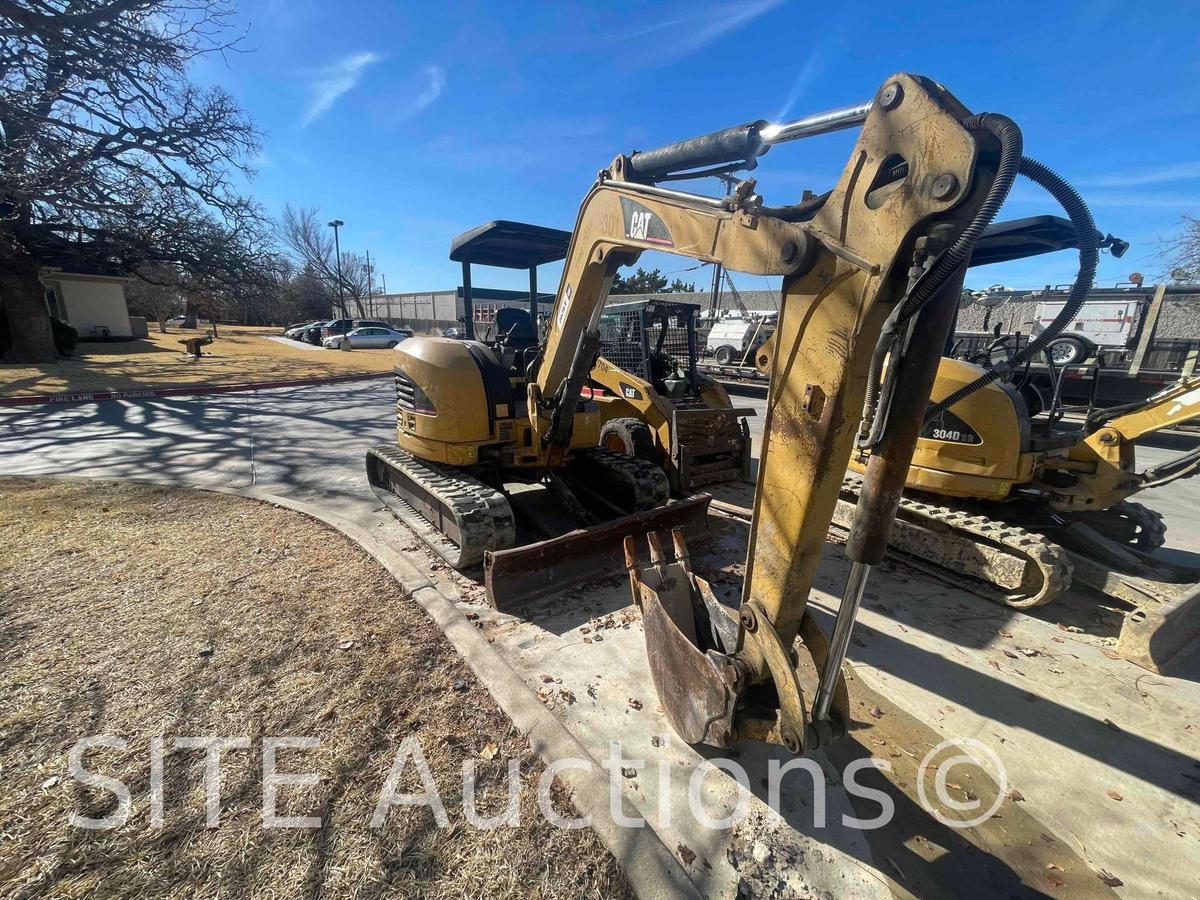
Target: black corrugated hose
[[1011, 148], [1008, 135], [1089, 256]]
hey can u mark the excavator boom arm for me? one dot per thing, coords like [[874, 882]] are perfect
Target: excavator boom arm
[[1172, 406], [914, 182], [616, 223]]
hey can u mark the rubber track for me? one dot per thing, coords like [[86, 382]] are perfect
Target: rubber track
[[1152, 530], [481, 513], [1048, 567], [649, 482]]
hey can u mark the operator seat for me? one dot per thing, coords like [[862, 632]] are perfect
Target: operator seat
[[514, 329], [515, 338]]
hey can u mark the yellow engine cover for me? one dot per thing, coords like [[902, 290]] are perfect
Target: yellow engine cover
[[446, 373], [976, 448]]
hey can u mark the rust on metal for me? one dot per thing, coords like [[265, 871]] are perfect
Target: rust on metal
[[1152, 636], [514, 578], [697, 699]]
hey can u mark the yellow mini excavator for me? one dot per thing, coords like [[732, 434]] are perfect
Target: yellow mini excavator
[[661, 426], [1008, 493], [880, 257], [1027, 506]]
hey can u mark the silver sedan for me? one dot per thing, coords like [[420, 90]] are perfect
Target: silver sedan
[[366, 339]]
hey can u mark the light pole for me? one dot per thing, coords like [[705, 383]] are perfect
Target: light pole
[[335, 225], [370, 294]]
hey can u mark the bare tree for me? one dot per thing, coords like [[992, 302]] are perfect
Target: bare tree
[[1183, 253], [311, 242], [157, 293], [110, 157]]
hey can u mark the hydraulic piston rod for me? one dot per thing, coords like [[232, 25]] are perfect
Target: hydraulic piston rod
[[913, 374], [741, 143], [818, 123]]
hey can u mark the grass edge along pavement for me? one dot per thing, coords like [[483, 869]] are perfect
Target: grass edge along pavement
[[649, 867]]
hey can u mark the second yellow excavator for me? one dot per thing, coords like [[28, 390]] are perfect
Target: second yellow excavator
[[1002, 489], [1025, 500]]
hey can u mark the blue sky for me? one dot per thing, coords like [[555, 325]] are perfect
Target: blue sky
[[413, 122]]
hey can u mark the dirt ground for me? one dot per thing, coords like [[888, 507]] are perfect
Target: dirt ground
[[240, 354], [139, 611]]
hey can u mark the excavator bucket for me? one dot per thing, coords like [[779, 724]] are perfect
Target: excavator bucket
[[690, 639], [516, 577], [692, 642]]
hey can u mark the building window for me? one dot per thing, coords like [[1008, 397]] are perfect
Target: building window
[[54, 303]]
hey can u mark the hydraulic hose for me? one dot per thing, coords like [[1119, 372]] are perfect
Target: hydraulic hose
[[1089, 257], [1008, 134], [958, 254]]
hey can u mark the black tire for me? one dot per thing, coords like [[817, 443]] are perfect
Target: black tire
[[724, 355], [629, 437], [392, 344], [1069, 350]]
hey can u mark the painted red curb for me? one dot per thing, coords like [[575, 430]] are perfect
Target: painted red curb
[[97, 396]]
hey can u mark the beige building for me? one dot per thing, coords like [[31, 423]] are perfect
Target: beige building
[[94, 304]]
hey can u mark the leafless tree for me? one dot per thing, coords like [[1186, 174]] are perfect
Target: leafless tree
[[157, 293], [110, 157], [1183, 253], [311, 242]]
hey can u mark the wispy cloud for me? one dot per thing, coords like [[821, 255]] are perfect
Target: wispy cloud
[[679, 36], [329, 83], [809, 72], [584, 140], [1182, 171], [428, 85]]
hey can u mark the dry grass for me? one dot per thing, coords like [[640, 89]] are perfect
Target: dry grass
[[239, 354], [141, 611]]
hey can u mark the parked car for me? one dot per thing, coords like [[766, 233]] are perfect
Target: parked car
[[455, 333], [312, 334], [176, 320], [293, 330], [344, 326], [296, 332], [369, 338]]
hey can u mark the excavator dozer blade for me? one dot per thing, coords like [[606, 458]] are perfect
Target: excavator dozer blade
[[517, 577]]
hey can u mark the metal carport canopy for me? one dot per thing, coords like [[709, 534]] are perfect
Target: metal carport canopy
[[510, 245]]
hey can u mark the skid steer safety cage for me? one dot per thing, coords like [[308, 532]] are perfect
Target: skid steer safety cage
[[651, 339]]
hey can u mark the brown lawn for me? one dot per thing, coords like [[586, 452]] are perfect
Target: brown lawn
[[240, 354], [140, 611]]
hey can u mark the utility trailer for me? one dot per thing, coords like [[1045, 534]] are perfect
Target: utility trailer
[[1137, 338]]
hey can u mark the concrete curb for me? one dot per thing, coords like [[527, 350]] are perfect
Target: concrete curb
[[99, 396], [646, 862]]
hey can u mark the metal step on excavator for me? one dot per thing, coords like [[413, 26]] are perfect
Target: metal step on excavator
[[878, 260]]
